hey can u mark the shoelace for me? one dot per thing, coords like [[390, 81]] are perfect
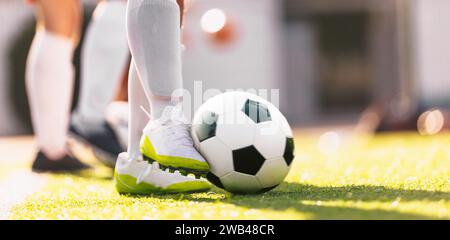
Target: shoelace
[[180, 134], [178, 129], [152, 168]]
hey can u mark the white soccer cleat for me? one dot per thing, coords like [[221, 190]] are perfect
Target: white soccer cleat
[[168, 141], [136, 176]]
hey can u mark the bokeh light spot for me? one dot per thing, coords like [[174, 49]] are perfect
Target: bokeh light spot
[[329, 143], [430, 122], [213, 20]]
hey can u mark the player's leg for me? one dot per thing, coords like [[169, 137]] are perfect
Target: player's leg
[[105, 55], [49, 82], [155, 43], [132, 173]]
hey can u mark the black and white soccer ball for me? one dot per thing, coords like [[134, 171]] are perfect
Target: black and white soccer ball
[[246, 140]]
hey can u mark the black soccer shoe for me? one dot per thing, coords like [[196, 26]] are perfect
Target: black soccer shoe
[[42, 164], [103, 142]]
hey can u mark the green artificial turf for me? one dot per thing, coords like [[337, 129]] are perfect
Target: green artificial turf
[[397, 176]]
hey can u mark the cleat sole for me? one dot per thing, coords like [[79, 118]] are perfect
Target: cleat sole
[[184, 165], [126, 184], [183, 171]]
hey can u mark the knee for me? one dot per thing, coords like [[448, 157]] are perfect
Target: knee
[[63, 18]]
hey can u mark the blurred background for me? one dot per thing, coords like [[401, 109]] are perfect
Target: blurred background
[[370, 65]]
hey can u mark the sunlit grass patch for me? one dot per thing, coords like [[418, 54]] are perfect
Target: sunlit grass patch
[[395, 176]]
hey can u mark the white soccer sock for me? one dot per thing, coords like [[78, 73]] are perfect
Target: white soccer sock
[[155, 43], [137, 100], [104, 58], [49, 82], [158, 104]]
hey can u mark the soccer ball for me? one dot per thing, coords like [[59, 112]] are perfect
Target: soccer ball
[[246, 140]]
